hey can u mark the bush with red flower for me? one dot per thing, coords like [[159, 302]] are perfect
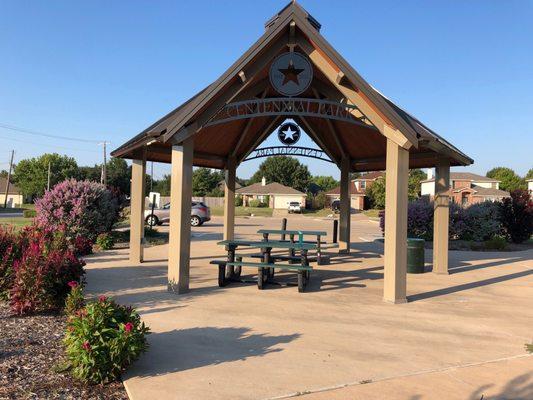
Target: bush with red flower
[[103, 339], [42, 273]]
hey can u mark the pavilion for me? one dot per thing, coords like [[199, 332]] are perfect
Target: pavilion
[[293, 72]]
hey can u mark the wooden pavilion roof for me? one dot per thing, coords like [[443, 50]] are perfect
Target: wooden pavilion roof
[[333, 80]]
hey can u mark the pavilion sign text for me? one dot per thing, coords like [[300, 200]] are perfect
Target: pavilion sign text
[[288, 151]]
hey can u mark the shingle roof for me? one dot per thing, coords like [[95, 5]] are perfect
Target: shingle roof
[[353, 191], [466, 176], [270, 188], [12, 188], [370, 176], [483, 191]]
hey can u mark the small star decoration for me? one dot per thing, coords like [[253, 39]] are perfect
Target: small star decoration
[[291, 74]]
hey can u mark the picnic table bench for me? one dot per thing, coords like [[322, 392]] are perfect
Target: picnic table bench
[[301, 233], [230, 269]]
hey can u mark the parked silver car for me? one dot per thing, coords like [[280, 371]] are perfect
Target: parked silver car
[[200, 213]]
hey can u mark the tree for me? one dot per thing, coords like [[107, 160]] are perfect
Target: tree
[[516, 215], [325, 183], [376, 193], [509, 180], [118, 174], [92, 174], [205, 181], [162, 186], [415, 177], [3, 174], [31, 175], [285, 170], [529, 174]]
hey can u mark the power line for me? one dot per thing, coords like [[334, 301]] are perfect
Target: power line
[[30, 132], [48, 145]]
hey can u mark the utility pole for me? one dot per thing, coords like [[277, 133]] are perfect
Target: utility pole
[[103, 177], [49, 173], [9, 177]]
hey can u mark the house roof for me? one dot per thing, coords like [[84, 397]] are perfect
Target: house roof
[[482, 191], [247, 79], [222, 183], [465, 176], [337, 191], [12, 188], [268, 189], [370, 176]]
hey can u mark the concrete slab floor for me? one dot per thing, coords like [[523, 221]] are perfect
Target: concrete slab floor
[[460, 336]]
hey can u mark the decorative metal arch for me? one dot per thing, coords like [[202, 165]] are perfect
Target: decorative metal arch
[[288, 151], [288, 106]]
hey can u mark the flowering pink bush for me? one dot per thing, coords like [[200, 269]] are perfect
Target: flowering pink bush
[[42, 274], [84, 208], [9, 252]]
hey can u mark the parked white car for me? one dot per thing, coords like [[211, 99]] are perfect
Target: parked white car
[[294, 207]]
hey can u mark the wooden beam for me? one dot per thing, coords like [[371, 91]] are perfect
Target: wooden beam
[[242, 75], [316, 137], [138, 172], [244, 132], [266, 131], [353, 95], [345, 211], [441, 216], [225, 95], [229, 199]]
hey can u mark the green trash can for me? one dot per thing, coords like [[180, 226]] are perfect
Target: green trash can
[[415, 256]]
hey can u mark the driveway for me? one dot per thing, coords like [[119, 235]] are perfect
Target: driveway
[[460, 336]]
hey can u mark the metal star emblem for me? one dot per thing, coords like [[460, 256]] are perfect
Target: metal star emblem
[[289, 133], [290, 74]]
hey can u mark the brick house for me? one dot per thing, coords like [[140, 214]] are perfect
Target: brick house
[[467, 188], [358, 189]]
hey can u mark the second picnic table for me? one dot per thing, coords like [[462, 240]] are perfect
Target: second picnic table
[[300, 233]]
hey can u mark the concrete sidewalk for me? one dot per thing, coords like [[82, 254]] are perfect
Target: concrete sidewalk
[[460, 336]]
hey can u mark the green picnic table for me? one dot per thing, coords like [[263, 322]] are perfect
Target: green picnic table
[[230, 269], [301, 233]]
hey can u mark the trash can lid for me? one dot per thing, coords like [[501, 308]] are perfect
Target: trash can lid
[[415, 240]]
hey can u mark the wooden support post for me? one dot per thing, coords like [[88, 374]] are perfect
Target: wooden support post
[[441, 216], [345, 207], [229, 199], [138, 171], [179, 246], [394, 285]]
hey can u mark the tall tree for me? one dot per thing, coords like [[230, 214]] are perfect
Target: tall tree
[[285, 170], [529, 174], [325, 182], [205, 181], [376, 191], [118, 174], [509, 180], [31, 175]]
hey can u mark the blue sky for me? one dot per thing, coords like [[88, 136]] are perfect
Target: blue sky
[[100, 70]]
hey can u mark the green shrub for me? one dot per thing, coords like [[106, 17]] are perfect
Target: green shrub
[[74, 301], [105, 241], [516, 214], [481, 221], [29, 213], [254, 203], [238, 200], [103, 339], [496, 243]]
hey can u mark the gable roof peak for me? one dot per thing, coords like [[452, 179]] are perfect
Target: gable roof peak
[[293, 8]]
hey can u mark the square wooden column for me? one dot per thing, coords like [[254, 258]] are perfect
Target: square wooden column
[[345, 207], [138, 172], [179, 246], [229, 199], [441, 217], [397, 174]]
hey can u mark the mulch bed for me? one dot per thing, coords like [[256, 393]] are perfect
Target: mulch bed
[[30, 347]]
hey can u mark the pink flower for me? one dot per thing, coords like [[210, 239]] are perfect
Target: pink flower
[[87, 346], [73, 284], [101, 299], [128, 327]]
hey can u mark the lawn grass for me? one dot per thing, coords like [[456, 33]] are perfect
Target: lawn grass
[[16, 222], [244, 211], [372, 213]]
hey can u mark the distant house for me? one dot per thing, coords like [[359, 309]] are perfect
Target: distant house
[[358, 189], [530, 185], [467, 188], [15, 197], [221, 185], [277, 195]]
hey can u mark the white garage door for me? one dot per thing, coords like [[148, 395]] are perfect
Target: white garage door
[[281, 201]]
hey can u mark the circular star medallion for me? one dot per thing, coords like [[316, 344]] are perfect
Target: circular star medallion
[[291, 74], [289, 133]]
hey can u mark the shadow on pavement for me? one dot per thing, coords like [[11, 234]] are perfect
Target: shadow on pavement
[[185, 349]]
